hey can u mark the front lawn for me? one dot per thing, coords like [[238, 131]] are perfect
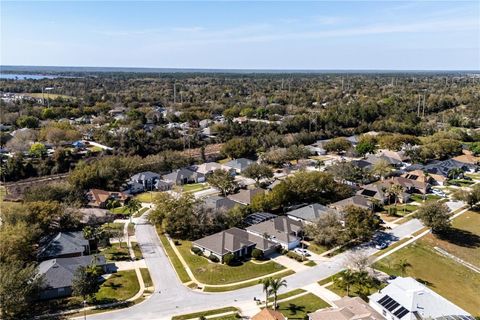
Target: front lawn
[[137, 251], [402, 209], [177, 265], [194, 187], [120, 210], [120, 286], [140, 212], [283, 274], [428, 198], [443, 275], [116, 252], [299, 307], [287, 294], [316, 248], [216, 273], [147, 197]]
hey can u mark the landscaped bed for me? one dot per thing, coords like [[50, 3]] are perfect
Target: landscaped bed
[[299, 307], [216, 273], [119, 286], [441, 274]]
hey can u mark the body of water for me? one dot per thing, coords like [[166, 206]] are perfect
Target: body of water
[[16, 76]]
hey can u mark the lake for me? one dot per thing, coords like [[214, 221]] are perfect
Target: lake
[[16, 76]]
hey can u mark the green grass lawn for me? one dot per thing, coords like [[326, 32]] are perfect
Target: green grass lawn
[[428, 198], [311, 263], [298, 308], [119, 210], [120, 286], [216, 273], [316, 248], [114, 225], [441, 274], [115, 252], [460, 182], [328, 279], [147, 280], [147, 196], [287, 294], [205, 313], [353, 291], [463, 241], [284, 274], [194, 187], [402, 209], [181, 272], [137, 251]]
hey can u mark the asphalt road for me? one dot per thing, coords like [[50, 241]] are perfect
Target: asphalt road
[[173, 298]]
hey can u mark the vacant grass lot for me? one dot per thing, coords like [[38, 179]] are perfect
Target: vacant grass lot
[[181, 272], [205, 313], [464, 239], [215, 273], [120, 286], [445, 276], [298, 308]]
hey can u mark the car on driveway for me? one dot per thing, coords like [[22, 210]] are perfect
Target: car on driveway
[[381, 245], [302, 252], [439, 193]]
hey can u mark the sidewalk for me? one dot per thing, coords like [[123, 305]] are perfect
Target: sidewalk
[[323, 293]]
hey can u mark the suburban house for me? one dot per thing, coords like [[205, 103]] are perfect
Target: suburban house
[[184, 176], [59, 273], [281, 230], [357, 201], [258, 217], [444, 167], [95, 216], [318, 147], [245, 196], [408, 299], [147, 179], [269, 314], [219, 203], [239, 165], [379, 191], [99, 198], [347, 308], [394, 156], [63, 245], [431, 178], [310, 213], [236, 241], [210, 167], [411, 185]]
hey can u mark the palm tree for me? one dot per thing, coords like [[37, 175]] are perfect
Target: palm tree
[[455, 173], [133, 206], [396, 191], [403, 265], [275, 285], [266, 288], [382, 168], [345, 281], [112, 203]]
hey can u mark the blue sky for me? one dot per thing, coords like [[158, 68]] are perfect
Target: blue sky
[[420, 35]]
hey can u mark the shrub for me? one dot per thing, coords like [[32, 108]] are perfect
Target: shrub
[[213, 258], [295, 256], [229, 259], [257, 254], [197, 251]]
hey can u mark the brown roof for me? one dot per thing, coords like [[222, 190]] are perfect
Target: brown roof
[[419, 175], [268, 314], [347, 309], [97, 196], [467, 158], [246, 196]]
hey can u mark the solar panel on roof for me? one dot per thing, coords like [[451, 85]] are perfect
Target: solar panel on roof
[[383, 299], [386, 301], [392, 306], [400, 313]]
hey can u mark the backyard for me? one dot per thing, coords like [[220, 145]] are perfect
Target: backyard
[[441, 274], [215, 273], [299, 307]]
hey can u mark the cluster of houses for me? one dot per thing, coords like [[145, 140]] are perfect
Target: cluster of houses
[[401, 299], [60, 256]]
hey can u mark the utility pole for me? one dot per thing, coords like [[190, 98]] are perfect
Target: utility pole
[[174, 92]]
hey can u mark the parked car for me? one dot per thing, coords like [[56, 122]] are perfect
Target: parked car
[[381, 245], [439, 193], [302, 252]]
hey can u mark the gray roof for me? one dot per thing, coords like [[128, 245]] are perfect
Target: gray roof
[[58, 273], [180, 174], [240, 164], [64, 243], [246, 196], [218, 202], [281, 228], [311, 212], [223, 242], [356, 200], [145, 176]]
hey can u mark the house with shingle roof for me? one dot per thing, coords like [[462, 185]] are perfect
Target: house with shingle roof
[[269, 314], [282, 230], [356, 200], [236, 241], [347, 308], [184, 176], [219, 203], [240, 164], [58, 274], [98, 198], [64, 244], [245, 196], [310, 213]]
